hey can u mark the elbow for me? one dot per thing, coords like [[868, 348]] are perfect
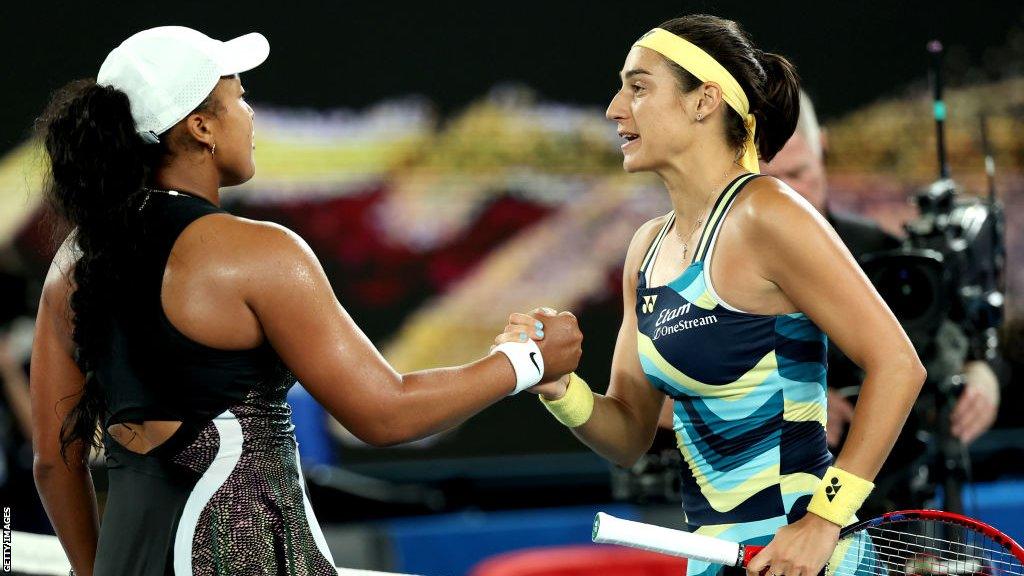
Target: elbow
[[380, 437], [397, 419], [903, 369], [378, 420], [633, 447], [383, 432], [42, 471], [915, 370], [909, 373], [384, 442], [626, 462], [628, 458], [917, 374], [46, 469], [920, 373]]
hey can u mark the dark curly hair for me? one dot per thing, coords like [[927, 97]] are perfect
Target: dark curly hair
[[98, 166], [770, 81]]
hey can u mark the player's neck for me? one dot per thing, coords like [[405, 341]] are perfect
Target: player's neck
[[202, 183], [691, 186]]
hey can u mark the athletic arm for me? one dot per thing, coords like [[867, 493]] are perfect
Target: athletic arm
[[65, 488], [335, 361], [820, 277], [624, 421], [794, 248]]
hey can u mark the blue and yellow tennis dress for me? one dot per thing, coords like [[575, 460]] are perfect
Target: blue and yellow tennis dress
[[749, 395]]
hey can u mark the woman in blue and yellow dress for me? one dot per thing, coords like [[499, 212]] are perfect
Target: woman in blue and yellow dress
[[727, 303]]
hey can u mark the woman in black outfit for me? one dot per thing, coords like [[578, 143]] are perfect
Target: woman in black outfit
[[178, 328]]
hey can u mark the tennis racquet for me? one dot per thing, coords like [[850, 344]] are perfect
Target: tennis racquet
[[905, 543]]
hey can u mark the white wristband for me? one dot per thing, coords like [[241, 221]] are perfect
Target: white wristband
[[526, 360]]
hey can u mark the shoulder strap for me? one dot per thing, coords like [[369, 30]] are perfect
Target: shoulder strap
[[170, 216], [656, 243], [718, 214]]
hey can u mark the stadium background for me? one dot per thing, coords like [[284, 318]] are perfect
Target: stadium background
[[450, 163]]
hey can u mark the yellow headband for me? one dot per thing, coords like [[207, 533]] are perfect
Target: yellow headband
[[707, 69]]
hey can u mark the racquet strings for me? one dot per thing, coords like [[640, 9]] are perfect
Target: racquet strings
[[921, 548]]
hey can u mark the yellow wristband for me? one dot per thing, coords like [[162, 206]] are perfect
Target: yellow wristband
[[839, 495], [574, 408]]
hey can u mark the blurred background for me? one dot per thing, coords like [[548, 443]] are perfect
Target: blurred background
[[450, 163]]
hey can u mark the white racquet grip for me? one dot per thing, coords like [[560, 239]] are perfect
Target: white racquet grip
[[526, 360], [612, 530]]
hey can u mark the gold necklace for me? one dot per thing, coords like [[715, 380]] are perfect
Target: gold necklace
[[700, 219]]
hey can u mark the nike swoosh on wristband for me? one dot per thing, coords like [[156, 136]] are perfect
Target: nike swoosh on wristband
[[534, 360]]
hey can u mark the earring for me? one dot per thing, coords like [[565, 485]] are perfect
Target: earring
[[213, 149], [699, 117]]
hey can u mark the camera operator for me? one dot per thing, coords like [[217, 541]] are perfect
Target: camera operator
[[801, 164]]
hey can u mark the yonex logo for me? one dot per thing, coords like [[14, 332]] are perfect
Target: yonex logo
[[831, 491], [648, 305]]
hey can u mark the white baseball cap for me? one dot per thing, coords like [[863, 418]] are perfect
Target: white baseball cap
[[168, 71]]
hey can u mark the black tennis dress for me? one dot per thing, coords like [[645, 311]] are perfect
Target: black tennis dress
[[225, 494]]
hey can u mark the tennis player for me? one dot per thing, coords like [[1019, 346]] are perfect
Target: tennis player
[[179, 328], [727, 302]]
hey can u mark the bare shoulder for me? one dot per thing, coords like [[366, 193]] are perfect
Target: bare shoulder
[[245, 242], [782, 231], [638, 246], [642, 240], [767, 207], [256, 258]]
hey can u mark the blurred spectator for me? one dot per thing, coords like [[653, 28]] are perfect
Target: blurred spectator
[[17, 488]]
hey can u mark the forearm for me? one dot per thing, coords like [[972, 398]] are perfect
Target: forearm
[[616, 432], [431, 401], [69, 498], [886, 397]]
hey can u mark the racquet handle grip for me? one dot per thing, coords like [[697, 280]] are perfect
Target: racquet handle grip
[[611, 530]]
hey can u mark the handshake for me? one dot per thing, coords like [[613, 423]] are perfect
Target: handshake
[[544, 347]]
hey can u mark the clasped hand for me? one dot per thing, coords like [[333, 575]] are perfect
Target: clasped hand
[[558, 336]]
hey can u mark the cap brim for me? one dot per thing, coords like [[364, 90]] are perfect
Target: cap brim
[[243, 53]]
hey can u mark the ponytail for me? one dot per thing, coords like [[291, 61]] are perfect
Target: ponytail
[[98, 167], [778, 108]]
